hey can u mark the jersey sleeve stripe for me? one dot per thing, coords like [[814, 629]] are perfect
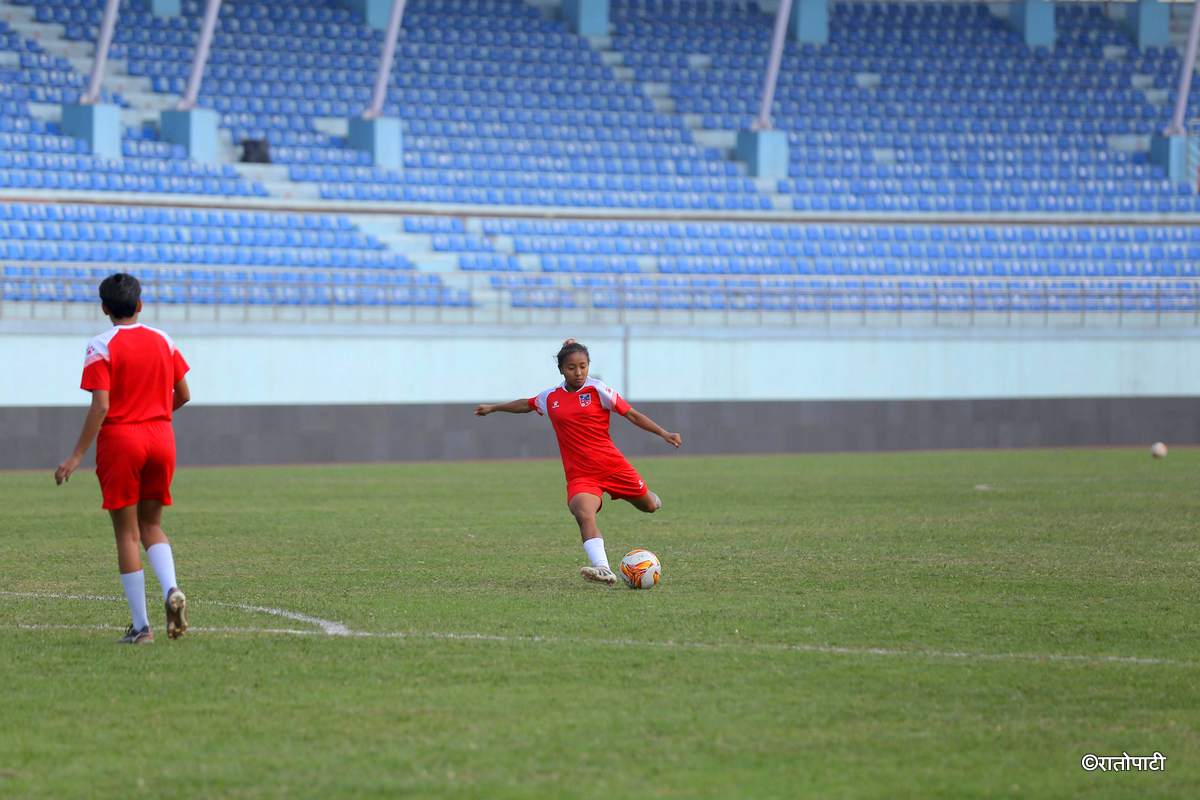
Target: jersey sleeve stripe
[[539, 402]]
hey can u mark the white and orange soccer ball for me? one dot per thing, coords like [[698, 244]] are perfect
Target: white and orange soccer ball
[[640, 569], [1158, 450]]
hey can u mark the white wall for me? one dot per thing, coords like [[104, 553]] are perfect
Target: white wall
[[231, 369], [918, 368]]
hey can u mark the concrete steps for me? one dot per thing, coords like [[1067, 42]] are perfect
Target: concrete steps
[[1180, 22], [416, 247], [1145, 84], [549, 8], [657, 92], [50, 37], [722, 141], [338, 127], [46, 112], [505, 245], [21, 20], [146, 105], [660, 95], [274, 179]]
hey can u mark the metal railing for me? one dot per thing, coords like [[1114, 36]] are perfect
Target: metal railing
[[401, 297]]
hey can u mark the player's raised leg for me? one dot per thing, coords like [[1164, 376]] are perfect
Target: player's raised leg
[[162, 561], [133, 579], [584, 507], [648, 502], [626, 484]]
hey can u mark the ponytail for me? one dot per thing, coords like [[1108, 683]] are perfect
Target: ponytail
[[571, 346]]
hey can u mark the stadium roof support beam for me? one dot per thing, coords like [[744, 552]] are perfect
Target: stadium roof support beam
[[200, 58], [98, 124], [1174, 149], [196, 128], [108, 24], [372, 132], [1034, 20], [1176, 128], [765, 150], [386, 59], [774, 61]]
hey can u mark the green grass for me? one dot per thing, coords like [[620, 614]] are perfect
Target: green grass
[[713, 685]]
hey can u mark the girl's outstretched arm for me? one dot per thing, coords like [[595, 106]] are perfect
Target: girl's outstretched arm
[[647, 424], [514, 407]]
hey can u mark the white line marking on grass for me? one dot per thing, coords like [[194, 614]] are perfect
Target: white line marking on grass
[[769, 647], [328, 628], [57, 596], [39, 626]]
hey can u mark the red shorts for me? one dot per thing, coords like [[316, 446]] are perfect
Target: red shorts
[[135, 462], [623, 484]]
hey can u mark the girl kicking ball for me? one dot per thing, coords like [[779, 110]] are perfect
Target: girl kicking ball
[[579, 409]]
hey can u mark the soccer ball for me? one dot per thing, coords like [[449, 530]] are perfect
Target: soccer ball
[[1158, 450], [640, 569]]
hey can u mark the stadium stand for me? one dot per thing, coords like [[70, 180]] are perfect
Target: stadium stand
[[52, 253], [202, 256], [923, 106], [999, 251], [917, 108], [34, 154], [501, 105]]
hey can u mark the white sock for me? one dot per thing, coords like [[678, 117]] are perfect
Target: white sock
[[594, 548], [159, 556], [135, 592]]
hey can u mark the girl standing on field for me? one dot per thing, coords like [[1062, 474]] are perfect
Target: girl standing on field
[[579, 410]]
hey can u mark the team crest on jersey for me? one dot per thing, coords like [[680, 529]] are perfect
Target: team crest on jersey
[[554, 404], [585, 399]]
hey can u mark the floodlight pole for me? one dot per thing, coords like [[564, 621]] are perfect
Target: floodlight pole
[[1185, 76], [379, 95], [782, 16], [200, 58], [108, 23]]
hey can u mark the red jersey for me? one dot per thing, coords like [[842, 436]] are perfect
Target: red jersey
[[580, 421], [139, 367]]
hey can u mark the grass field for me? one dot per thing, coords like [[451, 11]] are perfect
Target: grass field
[[909, 625]]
